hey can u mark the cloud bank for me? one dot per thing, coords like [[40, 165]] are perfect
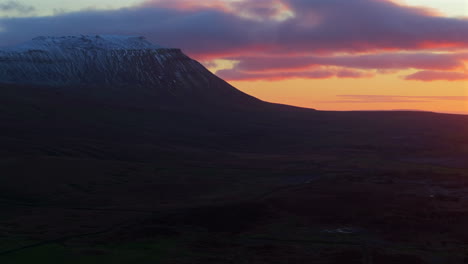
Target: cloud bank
[[280, 39], [15, 6]]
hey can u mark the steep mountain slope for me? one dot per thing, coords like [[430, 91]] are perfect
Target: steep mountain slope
[[114, 61]]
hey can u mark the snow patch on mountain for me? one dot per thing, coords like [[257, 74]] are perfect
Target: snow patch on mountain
[[98, 60], [85, 42]]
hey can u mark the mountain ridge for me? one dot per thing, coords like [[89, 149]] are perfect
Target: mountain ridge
[[109, 42]]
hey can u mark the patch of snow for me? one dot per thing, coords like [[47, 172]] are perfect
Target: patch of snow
[[98, 59], [86, 42]]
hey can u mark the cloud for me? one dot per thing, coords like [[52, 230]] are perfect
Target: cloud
[[366, 25], [187, 5], [382, 61], [275, 35], [396, 99], [197, 32], [262, 10], [428, 76], [235, 75], [198, 27], [353, 74], [352, 66], [388, 61], [16, 7]]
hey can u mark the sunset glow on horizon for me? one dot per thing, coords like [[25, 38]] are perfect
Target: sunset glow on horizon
[[327, 55]]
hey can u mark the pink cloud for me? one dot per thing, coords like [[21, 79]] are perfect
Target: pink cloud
[[235, 75], [353, 74], [383, 61]]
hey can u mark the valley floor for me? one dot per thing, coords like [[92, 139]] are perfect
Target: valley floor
[[95, 176], [249, 209]]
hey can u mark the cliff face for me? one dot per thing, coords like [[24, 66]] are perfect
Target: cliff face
[[110, 61]]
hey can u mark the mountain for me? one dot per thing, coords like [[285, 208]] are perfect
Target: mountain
[[114, 61], [56, 92]]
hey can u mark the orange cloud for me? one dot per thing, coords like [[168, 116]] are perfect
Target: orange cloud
[[428, 76], [396, 98]]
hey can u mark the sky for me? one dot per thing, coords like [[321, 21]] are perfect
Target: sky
[[323, 54]]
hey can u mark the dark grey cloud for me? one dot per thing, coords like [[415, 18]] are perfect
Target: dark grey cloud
[[16, 6], [318, 26], [199, 32]]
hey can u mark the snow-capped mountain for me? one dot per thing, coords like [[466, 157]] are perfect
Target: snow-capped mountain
[[103, 60]]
